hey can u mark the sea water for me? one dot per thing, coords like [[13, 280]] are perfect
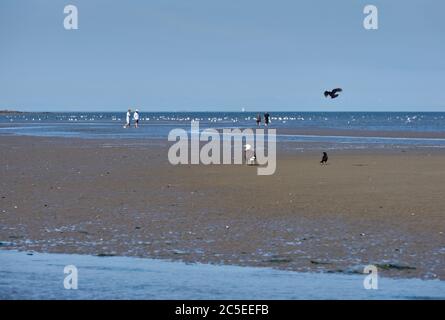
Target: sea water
[[41, 276], [157, 125]]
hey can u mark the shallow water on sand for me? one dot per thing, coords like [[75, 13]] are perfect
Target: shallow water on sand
[[41, 276], [109, 125]]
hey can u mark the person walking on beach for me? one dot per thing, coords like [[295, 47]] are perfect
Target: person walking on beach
[[266, 119], [136, 118], [127, 123], [258, 119]]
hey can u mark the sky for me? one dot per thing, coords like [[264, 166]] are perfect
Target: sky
[[222, 55]]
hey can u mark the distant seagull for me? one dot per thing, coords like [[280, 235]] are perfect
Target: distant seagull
[[324, 160], [333, 94]]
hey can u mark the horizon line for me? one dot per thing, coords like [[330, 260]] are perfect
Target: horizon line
[[213, 111]]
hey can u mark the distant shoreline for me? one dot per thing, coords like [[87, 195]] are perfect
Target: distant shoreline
[[6, 111], [228, 112]]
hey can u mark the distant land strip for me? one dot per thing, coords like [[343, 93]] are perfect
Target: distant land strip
[[6, 111]]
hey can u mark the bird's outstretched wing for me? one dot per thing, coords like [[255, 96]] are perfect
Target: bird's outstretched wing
[[337, 90], [326, 93]]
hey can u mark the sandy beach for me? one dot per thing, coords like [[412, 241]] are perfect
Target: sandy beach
[[106, 197]]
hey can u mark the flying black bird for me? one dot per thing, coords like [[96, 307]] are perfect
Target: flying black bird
[[324, 160], [333, 94]]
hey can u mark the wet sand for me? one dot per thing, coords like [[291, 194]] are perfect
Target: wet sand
[[124, 198]]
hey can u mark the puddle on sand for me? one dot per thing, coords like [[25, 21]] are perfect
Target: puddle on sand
[[40, 276]]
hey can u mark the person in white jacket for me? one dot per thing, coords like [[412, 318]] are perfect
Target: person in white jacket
[[127, 123], [136, 118]]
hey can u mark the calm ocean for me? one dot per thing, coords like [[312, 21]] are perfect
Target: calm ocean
[[105, 125]]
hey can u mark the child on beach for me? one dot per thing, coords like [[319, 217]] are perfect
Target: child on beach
[[136, 118], [249, 155], [258, 119]]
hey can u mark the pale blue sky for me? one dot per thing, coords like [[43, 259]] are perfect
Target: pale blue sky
[[222, 55]]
